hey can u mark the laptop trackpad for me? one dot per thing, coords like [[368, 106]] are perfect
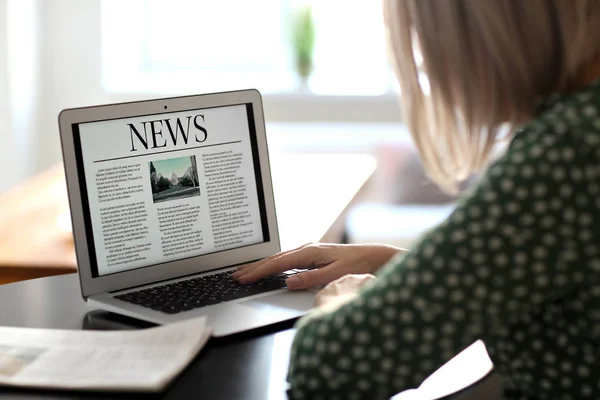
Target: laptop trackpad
[[292, 300]]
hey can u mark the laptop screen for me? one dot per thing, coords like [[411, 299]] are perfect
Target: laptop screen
[[165, 187]]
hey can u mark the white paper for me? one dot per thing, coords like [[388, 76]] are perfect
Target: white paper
[[465, 369], [137, 360]]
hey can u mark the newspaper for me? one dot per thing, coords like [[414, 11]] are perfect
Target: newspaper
[[139, 360]]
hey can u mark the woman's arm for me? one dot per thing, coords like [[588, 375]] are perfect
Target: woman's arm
[[525, 234]]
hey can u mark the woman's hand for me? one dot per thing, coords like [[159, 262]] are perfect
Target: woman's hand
[[327, 262], [341, 291]]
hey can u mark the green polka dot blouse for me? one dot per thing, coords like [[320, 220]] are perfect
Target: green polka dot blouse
[[517, 265]]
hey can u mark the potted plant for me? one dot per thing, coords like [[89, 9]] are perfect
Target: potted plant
[[303, 41]]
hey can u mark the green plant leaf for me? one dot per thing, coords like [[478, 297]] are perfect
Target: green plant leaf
[[303, 39]]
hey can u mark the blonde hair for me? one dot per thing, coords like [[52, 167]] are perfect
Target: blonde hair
[[466, 68]]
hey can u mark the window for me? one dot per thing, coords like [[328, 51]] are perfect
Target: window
[[205, 45]]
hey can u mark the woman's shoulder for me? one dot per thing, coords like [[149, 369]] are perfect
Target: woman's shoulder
[[567, 129], [558, 151]]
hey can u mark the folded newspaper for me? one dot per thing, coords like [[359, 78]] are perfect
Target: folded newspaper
[[139, 360]]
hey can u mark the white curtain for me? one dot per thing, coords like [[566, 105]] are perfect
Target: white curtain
[[6, 137]]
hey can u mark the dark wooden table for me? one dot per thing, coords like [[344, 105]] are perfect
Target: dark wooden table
[[247, 366]]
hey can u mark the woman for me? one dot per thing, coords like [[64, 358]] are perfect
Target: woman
[[518, 262]]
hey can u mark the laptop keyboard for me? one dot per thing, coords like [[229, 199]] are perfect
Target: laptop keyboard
[[199, 292]]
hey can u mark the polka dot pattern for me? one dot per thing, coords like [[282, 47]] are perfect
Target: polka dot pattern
[[517, 264]]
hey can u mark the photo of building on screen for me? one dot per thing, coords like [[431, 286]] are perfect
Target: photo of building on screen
[[174, 178]]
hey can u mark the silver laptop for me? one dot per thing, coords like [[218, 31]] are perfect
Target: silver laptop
[[168, 197]]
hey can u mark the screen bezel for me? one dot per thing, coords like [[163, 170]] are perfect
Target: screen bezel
[[91, 285]]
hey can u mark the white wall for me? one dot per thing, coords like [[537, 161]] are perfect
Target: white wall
[[58, 65]]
